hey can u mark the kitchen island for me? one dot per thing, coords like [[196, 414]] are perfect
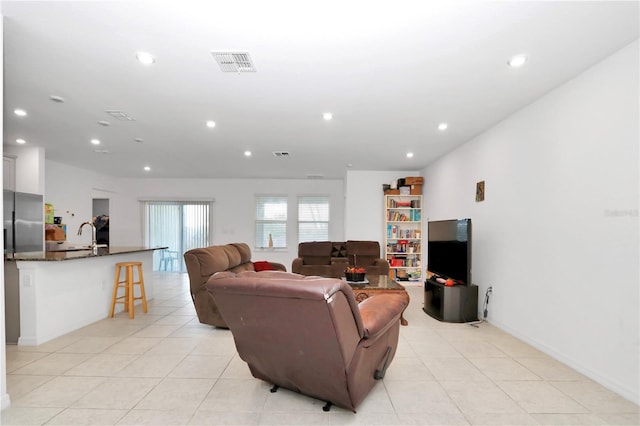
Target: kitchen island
[[54, 293]]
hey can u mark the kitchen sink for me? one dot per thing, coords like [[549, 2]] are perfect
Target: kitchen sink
[[79, 248]]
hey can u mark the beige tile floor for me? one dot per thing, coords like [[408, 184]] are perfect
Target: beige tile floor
[[165, 368]]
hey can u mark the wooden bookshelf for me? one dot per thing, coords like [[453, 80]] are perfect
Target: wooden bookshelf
[[403, 236]]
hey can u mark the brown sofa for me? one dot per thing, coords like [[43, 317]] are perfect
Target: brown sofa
[[331, 258], [309, 334], [202, 263]]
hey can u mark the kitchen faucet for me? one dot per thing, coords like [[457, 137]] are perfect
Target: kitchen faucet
[[94, 240]]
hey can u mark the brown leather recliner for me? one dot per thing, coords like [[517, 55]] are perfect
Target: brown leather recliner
[[308, 334], [202, 263]]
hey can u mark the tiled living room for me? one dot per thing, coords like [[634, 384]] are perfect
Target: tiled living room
[[165, 368], [522, 117]]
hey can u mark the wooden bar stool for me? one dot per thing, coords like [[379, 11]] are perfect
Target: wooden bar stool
[[128, 285]]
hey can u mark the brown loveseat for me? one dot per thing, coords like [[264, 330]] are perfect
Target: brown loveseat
[[309, 334], [331, 258], [202, 263]]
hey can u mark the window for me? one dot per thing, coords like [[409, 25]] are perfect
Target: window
[[271, 222], [178, 225], [313, 219]]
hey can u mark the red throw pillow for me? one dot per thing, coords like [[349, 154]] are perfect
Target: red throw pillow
[[262, 265]]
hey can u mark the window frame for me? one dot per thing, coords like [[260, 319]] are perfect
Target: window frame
[[326, 198], [261, 221]]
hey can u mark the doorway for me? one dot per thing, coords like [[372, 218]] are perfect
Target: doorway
[[101, 219], [177, 225]]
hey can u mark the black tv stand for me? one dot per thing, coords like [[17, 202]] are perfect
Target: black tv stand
[[457, 303]]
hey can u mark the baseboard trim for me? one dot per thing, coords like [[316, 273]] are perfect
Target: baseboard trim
[[613, 385], [5, 401]]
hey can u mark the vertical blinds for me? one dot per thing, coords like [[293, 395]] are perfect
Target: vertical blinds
[[179, 225]]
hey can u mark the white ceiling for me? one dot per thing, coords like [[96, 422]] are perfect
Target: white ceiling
[[388, 71]]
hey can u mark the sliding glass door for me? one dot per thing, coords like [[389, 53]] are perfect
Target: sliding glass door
[[178, 225]]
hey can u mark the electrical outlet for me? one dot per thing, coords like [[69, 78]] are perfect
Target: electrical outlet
[[26, 280]]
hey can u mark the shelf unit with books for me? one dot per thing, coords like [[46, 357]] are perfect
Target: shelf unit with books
[[403, 236]]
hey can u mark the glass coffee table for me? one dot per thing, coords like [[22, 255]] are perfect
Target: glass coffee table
[[378, 284]]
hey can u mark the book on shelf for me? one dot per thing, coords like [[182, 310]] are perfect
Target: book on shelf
[[394, 216], [393, 203]]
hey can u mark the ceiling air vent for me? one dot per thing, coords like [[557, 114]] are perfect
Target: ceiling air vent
[[120, 115], [234, 61], [281, 154], [315, 176]]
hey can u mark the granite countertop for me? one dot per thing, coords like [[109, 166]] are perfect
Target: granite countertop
[[75, 254]]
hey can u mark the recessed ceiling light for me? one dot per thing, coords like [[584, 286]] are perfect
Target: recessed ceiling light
[[56, 98], [95, 141], [147, 168], [327, 116], [517, 61], [211, 124], [409, 154], [139, 140], [443, 126], [20, 112], [247, 153], [21, 141], [104, 123], [145, 58]]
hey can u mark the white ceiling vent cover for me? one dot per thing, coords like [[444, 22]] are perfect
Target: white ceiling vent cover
[[120, 115], [283, 154], [234, 61]]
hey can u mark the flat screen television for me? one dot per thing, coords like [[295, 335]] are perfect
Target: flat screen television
[[449, 249]]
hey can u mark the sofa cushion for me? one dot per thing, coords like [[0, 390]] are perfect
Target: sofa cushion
[[363, 248], [244, 251], [363, 253], [315, 253], [338, 249]]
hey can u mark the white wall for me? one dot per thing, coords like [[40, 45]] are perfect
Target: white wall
[[233, 209], [364, 218], [234, 206], [71, 191], [557, 236]]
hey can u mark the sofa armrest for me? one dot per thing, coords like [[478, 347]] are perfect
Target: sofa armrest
[[380, 312], [380, 262], [278, 266], [296, 265]]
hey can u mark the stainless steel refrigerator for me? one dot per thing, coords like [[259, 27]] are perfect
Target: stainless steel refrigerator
[[23, 222], [23, 232]]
